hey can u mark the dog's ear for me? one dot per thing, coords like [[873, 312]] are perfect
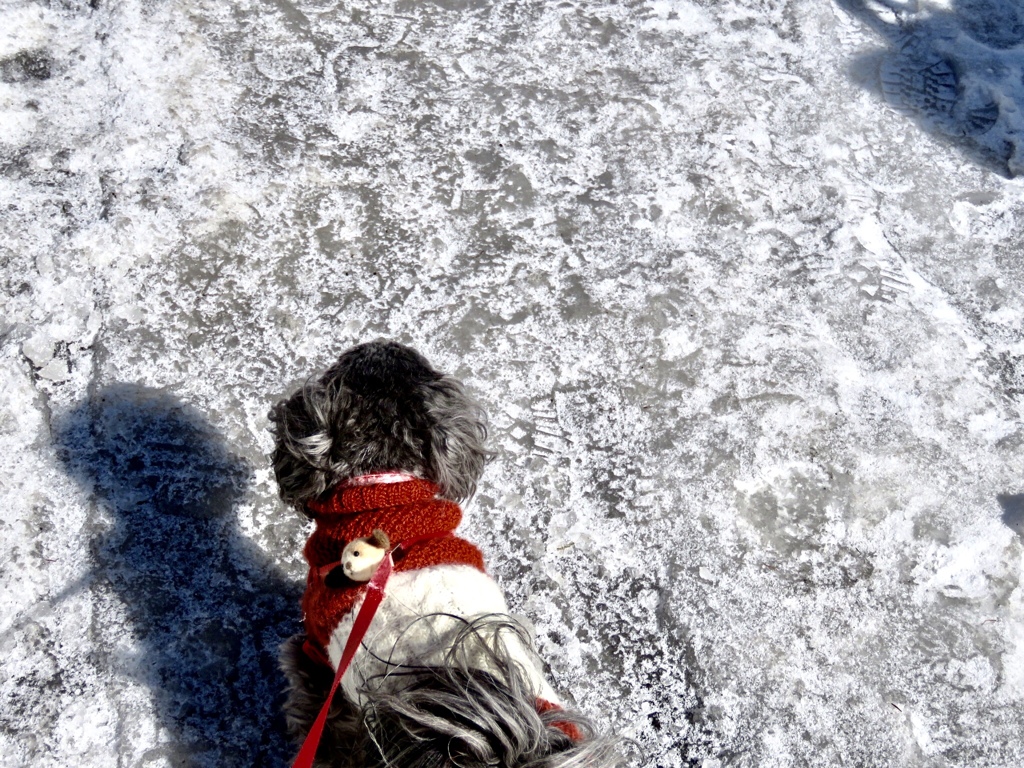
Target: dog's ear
[[457, 436], [301, 425]]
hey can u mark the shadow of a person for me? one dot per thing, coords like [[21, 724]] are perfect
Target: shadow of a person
[[957, 73], [207, 614]]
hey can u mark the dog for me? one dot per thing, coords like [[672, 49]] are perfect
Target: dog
[[379, 450]]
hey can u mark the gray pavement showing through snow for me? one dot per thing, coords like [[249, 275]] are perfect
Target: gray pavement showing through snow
[[739, 283]]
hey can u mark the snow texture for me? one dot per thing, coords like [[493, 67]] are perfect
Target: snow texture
[[739, 282]]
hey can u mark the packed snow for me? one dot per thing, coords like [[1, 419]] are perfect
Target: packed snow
[[739, 282]]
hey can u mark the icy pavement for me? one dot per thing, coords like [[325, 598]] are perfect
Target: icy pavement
[[740, 284]]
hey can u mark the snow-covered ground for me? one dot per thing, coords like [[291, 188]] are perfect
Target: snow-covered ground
[[740, 283]]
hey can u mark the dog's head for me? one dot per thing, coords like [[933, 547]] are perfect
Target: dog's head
[[380, 407]]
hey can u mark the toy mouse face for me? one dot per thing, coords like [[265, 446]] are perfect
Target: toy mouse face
[[361, 557]]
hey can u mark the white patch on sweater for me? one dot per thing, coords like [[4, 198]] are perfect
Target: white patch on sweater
[[400, 635]]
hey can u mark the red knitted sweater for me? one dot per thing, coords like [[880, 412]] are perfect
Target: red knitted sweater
[[403, 511]]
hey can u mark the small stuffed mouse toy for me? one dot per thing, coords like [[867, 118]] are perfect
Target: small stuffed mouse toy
[[360, 558]]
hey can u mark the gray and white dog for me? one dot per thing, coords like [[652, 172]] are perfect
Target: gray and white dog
[[445, 676]]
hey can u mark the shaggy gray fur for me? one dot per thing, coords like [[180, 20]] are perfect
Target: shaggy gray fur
[[450, 716], [309, 682], [381, 406]]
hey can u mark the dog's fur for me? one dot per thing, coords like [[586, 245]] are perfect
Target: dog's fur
[[382, 407]]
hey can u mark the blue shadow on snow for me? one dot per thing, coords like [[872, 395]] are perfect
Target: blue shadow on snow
[[1013, 512], [205, 609], [957, 73]]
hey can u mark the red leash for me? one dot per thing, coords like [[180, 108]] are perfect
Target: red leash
[[374, 595]]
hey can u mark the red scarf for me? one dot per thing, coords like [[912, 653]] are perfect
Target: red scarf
[[404, 511]]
